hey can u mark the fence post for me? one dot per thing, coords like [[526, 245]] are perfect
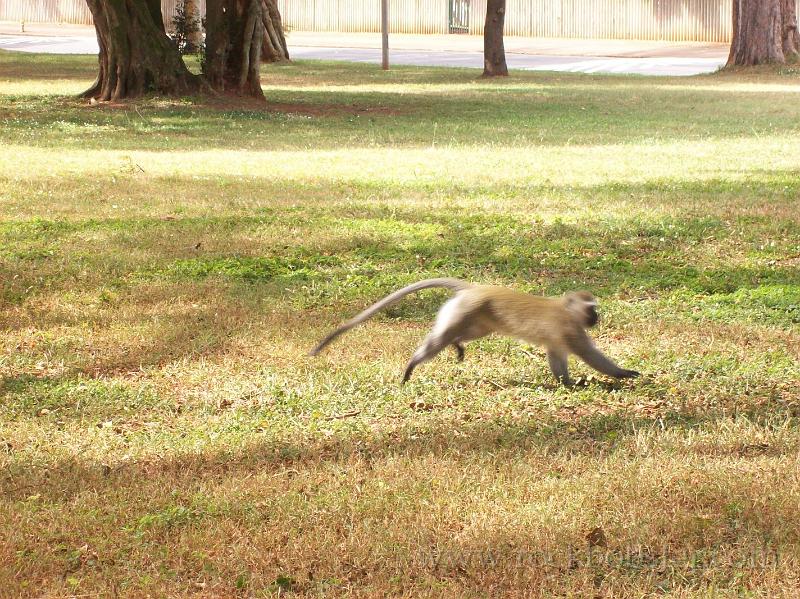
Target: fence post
[[385, 34]]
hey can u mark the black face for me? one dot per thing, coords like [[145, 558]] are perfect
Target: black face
[[591, 316]]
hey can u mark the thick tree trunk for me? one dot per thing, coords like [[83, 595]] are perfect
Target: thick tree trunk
[[764, 31], [494, 54], [136, 56], [234, 32], [274, 48]]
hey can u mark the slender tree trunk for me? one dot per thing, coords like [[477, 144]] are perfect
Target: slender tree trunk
[[494, 54], [274, 48], [764, 31], [234, 32], [192, 11], [136, 56], [791, 36]]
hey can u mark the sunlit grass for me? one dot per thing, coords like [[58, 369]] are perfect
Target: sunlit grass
[[165, 267]]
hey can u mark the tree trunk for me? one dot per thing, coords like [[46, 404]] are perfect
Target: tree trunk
[[764, 31], [234, 32], [274, 48], [494, 54], [791, 36], [192, 11], [136, 56]]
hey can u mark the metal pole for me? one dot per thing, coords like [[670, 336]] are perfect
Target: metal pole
[[385, 34]]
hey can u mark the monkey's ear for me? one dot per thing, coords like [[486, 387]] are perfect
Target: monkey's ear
[[581, 298], [573, 303], [573, 300], [570, 299]]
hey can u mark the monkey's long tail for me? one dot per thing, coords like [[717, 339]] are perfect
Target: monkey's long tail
[[454, 284]]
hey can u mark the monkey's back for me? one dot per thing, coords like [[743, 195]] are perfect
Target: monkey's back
[[516, 314]]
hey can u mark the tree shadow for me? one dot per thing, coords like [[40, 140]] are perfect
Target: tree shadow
[[288, 501], [44, 67], [593, 434], [543, 112], [181, 301]]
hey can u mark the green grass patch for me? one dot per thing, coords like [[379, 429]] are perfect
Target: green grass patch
[[249, 269], [73, 398]]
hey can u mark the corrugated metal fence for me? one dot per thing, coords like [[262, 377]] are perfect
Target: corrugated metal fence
[[168, 8], [674, 20], [46, 11], [405, 16], [74, 12], [677, 20]]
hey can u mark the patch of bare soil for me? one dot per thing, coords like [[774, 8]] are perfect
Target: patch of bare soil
[[92, 103]]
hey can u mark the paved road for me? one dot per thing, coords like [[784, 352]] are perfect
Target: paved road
[[50, 44], [662, 65], [651, 65]]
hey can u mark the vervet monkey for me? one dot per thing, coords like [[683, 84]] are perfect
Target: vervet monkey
[[557, 323]]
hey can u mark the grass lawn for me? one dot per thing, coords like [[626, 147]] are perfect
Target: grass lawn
[[165, 267]]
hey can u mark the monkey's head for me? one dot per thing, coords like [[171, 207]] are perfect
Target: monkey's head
[[584, 306]]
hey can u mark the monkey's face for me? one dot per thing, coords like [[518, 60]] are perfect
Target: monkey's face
[[584, 306]]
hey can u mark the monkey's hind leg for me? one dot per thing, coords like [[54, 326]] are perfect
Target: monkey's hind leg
[[433, 344], [459, 347]]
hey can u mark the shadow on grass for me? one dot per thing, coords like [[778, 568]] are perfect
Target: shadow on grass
[[591, 434], [538, 110], [270, 198], [288, 503], [649, 249], [126, 337], [133, 271], [44, 67]]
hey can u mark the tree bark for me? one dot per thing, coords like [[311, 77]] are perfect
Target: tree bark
[[136, 56], [764, 31], [192, 11], [494, 53], [791, 36], [234, 33], [274, 48]]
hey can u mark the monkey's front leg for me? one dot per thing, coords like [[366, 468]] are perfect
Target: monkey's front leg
[[559, 367], [595, 358]]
